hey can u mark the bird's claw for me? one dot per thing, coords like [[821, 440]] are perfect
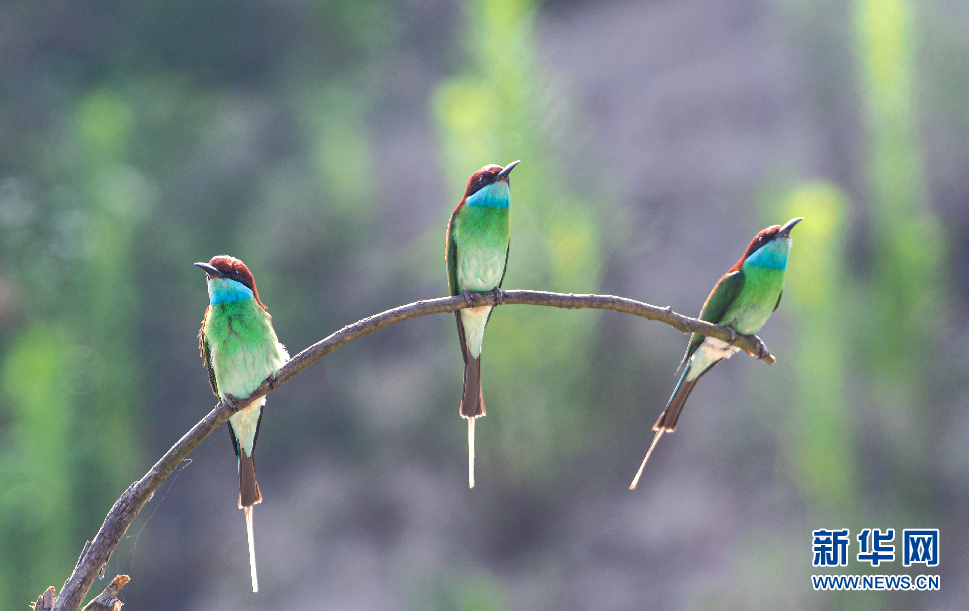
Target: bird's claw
[[498, 294], [231, 400], [468, 298], [733, 334]]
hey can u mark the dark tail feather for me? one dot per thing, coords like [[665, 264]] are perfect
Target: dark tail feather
[[249, 493], [667, 420], [472, 401], [472, 407]]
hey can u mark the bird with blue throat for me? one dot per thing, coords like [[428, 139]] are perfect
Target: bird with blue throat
[[240, 349], [476, 253], [743, 299]]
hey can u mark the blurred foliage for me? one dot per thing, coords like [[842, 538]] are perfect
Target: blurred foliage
[[907, 243], [819, 435], [96, 126], [863, 333], [71, 260], [37, 476]]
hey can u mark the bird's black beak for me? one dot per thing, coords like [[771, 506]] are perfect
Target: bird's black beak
[[503, 175], [785, 230], [210, 271]]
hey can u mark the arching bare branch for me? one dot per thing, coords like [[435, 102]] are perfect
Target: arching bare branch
[[134, 498]]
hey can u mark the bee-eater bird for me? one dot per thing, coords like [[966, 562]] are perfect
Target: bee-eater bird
[[743, 299], [240, 350], [478, 235]]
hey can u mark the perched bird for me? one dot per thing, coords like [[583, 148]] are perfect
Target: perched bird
[[478, 235], [743, 299], [240, 350]]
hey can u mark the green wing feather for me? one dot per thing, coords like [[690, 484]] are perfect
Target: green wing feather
[[451, 258], [721, 297], [207, 355], [505, 268]]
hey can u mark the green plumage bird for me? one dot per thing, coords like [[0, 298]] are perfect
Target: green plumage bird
[[743, 299], [240, 350], [478, 235]]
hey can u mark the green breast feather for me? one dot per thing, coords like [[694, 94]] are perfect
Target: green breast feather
[[239, 347]]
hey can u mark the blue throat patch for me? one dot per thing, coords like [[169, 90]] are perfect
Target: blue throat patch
[[495, 195], [771, 256], [224, 290]]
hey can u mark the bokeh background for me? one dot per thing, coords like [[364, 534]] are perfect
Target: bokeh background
[[325, 143]]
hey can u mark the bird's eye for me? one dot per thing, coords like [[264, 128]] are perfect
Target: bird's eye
[[481, 180]]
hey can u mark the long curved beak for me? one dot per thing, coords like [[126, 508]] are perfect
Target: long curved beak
[[211, 271], [786, 229], [503, 175]]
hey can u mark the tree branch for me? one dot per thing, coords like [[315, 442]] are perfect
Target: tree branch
[[108, 599], [126, 508]]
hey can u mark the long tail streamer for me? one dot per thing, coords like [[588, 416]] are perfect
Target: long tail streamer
[[471, 452], [252, 549], [656, 437]]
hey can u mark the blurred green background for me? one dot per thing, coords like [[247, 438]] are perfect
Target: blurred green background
[[325, 143]]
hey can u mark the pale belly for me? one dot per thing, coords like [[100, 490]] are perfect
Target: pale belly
[[480, 269], [245, 422], [474, 321], [708, 353], [239, 372], [751, 319]]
